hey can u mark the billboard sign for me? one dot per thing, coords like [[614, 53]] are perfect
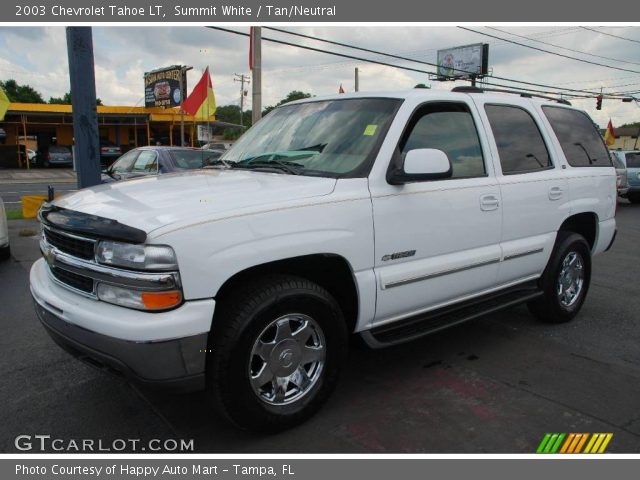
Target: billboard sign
[[469, 61], [162, 87]]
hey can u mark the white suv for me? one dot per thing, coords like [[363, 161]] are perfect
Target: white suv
[[389, 215], [5, 251]]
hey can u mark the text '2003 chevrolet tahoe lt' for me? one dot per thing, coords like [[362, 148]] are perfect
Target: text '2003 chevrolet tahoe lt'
[[389, 216]]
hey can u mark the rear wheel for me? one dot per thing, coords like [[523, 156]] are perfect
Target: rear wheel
[[276, 350], [565, 281], [5, 253]]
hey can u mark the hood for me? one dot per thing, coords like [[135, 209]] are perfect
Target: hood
[[157, 201]]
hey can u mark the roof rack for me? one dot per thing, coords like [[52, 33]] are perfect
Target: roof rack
[[468, 89]]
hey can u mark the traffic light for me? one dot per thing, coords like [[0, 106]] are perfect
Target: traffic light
[[599, 102]]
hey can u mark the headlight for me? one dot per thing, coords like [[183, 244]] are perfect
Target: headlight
[[137, 299], [137, 257]]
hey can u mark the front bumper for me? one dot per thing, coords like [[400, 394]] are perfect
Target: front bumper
[[164, 348], [173, 364]]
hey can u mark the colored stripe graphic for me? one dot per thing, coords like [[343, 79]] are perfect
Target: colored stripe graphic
[[574, 443]]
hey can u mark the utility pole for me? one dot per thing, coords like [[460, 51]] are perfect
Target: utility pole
[[242, 78], [183, 77], [83, 98], [357, 81], [256, 48]]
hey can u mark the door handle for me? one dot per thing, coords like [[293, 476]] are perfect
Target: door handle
[[489, 202], [555, 193]]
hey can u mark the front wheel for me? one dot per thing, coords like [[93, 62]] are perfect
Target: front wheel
[[276, 350], [565, 281]]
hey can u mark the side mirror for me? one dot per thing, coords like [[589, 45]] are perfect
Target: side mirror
[[421, 164]]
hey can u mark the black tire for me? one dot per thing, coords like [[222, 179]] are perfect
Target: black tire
[[5, 253], [549, 307], [243, 317], [633, 198]]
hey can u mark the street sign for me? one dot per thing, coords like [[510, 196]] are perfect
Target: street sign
[[162, 87]]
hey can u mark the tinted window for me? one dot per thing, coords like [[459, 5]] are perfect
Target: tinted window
[[633, 159], [146, 162], [580, 140], [616, 161], [125, 162], [448, 127], [520, 143], [190, 159]]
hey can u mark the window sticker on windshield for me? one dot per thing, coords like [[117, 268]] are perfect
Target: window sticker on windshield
[[370, 130]]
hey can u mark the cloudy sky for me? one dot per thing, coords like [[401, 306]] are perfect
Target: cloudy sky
[[37, 56]]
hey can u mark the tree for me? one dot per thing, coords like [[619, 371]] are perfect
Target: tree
[[66, 100], [291, 96], [21, 93], [630, 125]]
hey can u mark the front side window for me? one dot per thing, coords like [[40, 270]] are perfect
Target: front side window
[[520, 144], [448, 127], [125, 163], [327, 138], [581, 142], [633, 159], [146, 162]]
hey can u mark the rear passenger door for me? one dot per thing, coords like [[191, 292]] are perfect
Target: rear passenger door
[[533, 187]]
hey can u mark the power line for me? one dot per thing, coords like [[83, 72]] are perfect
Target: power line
[[564, 48], [611, 35], [549, 51], [399, 57], [579, 93]]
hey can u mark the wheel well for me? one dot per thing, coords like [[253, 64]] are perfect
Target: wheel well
[[331, 272], [584, 224]]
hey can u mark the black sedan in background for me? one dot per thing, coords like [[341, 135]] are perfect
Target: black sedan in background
[[157, 160]]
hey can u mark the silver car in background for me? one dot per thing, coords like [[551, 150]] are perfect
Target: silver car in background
[[622, 182]]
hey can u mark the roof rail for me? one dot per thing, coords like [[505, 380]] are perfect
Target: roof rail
[[468, 89]]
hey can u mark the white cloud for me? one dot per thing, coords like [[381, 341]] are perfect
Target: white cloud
[[38, 56]]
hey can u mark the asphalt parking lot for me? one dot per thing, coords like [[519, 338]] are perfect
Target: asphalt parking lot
[[494, 385]]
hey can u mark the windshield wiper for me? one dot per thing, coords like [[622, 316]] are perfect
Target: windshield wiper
[[289, 167]]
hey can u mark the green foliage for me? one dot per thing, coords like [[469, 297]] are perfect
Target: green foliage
[[231, 114], [291, 96], [232, 133], [630, 125], [66, 100], [21, 93]]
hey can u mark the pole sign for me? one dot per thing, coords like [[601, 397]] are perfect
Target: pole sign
[[466, 62], [162, 87]]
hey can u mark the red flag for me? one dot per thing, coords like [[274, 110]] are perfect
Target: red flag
[[250, 48], [202, 102], [341, 90]]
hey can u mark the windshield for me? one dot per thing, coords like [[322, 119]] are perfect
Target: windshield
[[332, 137]]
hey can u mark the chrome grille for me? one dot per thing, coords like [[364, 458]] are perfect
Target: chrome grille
[[70, 244]]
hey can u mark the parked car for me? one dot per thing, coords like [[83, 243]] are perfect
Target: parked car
[[621, 175], [5, 251], [145, 161], [109, 152], [31, 155], [631, 160], [55, 155], [247, 279]]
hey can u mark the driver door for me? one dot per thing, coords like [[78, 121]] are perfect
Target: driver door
[[438, 241]]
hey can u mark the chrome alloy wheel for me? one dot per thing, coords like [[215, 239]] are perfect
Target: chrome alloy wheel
[[287, 359], [570, 279]]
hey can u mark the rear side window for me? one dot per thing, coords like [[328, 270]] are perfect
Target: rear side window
[[579, 138], [520, 144], [633, 159]]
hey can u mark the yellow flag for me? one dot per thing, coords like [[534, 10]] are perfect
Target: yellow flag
[[4, 104]]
